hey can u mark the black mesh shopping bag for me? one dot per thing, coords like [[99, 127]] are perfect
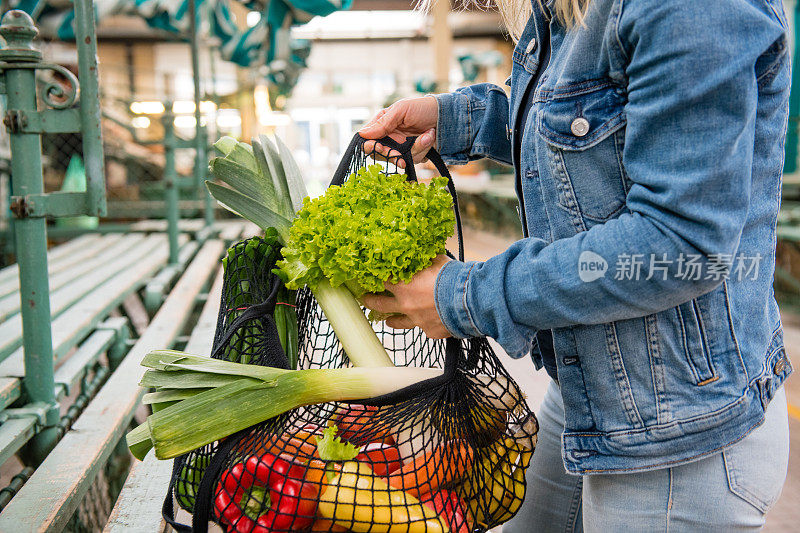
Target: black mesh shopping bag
[[445, 454]]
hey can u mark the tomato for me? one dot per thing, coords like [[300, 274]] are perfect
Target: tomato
[[356, 423], [383, 458]]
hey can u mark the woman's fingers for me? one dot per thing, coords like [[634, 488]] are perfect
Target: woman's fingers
[[380, 303], [399, 322], [413, 116], [384, 123]]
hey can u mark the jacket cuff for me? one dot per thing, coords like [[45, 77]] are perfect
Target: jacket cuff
[[450, 297], [452, 128]]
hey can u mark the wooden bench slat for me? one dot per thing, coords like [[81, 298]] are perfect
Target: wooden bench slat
[[188, 225], [156, 288], [56, 252], [251, 229], [230, 232], [49, 498], [54, 266], [138, 506], [202, 337], [69, 374], [113, 243], [63, 299], [10, 390], [75, 323], [147, 481], [70, 246], [89, 251], [15, 432], [9, 304]]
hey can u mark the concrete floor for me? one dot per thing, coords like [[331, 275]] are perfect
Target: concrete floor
[[785, 516]]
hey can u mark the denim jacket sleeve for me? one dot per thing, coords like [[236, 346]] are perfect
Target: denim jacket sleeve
[[473, 123], [689, 144]]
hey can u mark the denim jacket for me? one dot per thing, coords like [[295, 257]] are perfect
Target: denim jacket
[[649, 178]]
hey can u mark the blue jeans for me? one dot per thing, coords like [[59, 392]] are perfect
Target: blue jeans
[[728, 491]]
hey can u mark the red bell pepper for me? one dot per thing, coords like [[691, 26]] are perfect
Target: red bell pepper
[[265, 494], [450, 507], [382, 458]]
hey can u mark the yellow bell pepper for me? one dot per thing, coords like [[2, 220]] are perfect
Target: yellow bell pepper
[[362, 502]]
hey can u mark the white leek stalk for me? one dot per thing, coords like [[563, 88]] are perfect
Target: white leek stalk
[[352, 328]]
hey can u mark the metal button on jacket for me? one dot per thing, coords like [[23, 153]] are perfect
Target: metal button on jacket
[[531, 46], [579, 127], [780, 366]]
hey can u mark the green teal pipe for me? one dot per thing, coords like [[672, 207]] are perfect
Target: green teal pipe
[[200, 141], [170, 186], [794, 100], [93, 158], [30, 233]]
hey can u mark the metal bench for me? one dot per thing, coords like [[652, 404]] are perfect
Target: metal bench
[[86, 291], [48, 500]]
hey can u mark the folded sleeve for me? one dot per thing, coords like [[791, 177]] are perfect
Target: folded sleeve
[[473, 123]]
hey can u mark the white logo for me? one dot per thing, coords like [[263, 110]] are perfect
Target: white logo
[[591, 266]]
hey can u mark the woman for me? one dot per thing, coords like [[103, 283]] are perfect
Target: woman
[[647, 140]]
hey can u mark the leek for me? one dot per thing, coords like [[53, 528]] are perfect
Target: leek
[[245, 395]]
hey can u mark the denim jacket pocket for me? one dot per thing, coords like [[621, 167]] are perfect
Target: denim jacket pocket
[[695, 343], [709, 341], [583, 127]]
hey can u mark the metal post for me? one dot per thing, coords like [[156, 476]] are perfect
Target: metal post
[[200, 141], [8, 232], [170, 181], [93, 158], [30, 233]]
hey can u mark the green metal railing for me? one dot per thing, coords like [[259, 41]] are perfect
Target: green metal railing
[[19, 63]]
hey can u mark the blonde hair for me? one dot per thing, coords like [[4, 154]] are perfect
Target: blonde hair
[[515, 13]]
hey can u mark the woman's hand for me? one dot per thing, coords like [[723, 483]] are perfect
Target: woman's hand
[[413, 302], [404, 118]]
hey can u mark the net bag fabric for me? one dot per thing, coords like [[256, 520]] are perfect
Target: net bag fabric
[[445, 454]]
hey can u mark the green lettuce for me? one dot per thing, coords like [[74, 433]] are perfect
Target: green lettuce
[[372, 229]]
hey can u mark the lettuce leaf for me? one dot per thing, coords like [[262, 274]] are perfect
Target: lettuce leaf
[[372, 229], [331, 447]]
